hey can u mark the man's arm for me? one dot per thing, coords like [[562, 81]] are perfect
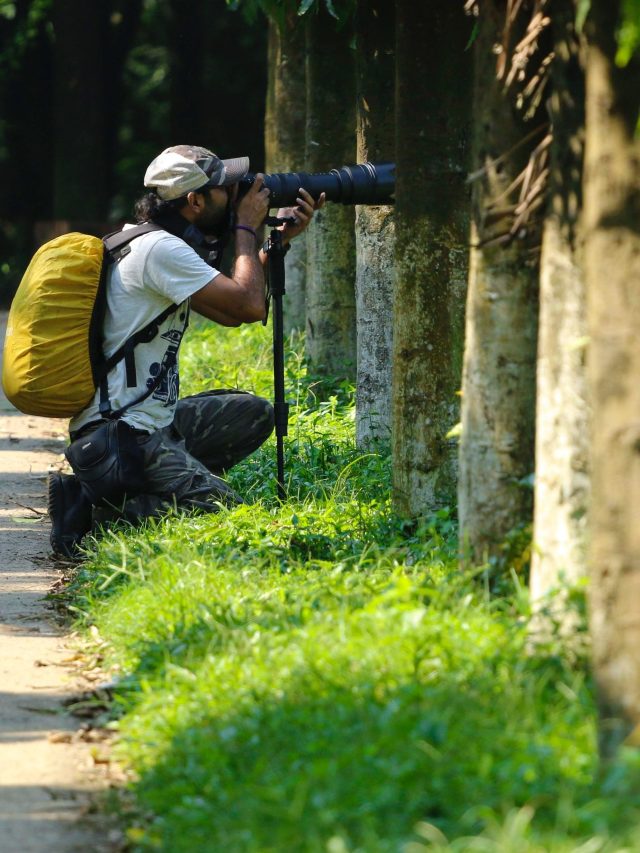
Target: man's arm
[[241, 299]]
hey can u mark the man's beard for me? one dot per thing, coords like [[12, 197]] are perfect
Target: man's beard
[[214, 222]]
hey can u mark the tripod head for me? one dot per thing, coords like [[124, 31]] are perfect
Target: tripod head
[[274, 221]]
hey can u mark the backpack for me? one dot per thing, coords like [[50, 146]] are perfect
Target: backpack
[[53, 357]]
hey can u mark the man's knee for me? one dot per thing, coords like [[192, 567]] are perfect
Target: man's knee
[[250, 427], [264, 417], [235, 417]]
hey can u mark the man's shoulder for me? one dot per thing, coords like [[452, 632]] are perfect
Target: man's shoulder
[[166, 264], [160, 238], [159, 250]]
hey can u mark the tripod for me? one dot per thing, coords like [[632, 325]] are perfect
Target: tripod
[[276, 252]]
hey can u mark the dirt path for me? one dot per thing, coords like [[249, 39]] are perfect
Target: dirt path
[[45, 783]]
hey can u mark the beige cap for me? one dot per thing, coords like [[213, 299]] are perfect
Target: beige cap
[[183, 168]]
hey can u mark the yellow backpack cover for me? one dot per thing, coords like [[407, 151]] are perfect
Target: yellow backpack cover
[[54, 330], [53, 350]]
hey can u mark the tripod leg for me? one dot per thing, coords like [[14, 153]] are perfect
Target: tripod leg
[[281, 407]]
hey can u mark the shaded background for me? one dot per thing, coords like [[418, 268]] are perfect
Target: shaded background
[[90, 92]]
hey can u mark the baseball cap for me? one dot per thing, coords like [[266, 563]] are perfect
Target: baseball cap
[[183, 168]]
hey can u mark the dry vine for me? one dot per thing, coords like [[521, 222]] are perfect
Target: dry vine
[[527, 83]]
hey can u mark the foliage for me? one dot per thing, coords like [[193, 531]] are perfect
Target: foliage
[[25, 30], [629, 32], [319, 676], [147, 52], [237, 60], [582, 12], [341, 10]]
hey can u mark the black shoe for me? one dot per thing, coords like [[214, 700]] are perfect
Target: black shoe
[[70, 514]]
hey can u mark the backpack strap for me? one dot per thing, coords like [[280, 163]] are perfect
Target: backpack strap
[[115, 242], [142, 336], [116, 247], [169, 363]]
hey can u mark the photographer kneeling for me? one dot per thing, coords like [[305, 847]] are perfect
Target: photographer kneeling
[[181, 447]]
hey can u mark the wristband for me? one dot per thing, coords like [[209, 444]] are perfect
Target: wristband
[[245, 228]]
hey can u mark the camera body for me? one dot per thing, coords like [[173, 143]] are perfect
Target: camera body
[[361, 183]]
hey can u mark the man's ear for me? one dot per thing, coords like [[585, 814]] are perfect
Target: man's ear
[[194, 201]]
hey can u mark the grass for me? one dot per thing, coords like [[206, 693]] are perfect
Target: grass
[[320, 676]]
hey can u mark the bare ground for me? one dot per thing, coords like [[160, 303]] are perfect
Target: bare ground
[[48, 772]]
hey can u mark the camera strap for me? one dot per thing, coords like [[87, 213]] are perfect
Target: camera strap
[[209, 250]]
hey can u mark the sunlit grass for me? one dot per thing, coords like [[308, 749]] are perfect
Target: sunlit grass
[[320, 676]]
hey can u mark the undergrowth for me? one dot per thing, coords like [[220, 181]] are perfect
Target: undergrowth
[[320, 676]]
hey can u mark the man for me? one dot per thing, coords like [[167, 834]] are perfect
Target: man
[[185, 444]]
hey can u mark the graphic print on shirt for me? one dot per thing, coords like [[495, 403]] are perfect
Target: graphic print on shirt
[[169, 387]]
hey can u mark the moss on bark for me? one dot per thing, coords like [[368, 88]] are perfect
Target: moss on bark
[[433, 94]]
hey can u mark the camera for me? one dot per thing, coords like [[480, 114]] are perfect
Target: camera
[[362, 183]]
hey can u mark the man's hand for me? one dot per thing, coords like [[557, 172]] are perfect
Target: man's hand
[[253, 207], [303, 214]]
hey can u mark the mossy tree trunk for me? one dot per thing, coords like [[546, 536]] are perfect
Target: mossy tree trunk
[[286, 142], [433, 96], [498, 390], [330, 142], [375, 229], [562, 475], [612, 264]]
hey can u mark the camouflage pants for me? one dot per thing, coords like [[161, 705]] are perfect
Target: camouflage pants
[[183, 462]]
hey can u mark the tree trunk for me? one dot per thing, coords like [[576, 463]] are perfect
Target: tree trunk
[[187, 41], [562, 477], [375, 228], [285, 142], [81, 167], [26, 91], [216, 80], [123, 29], [331, 142], [433, 95], [498, 390], [612, 264], [270, 115]]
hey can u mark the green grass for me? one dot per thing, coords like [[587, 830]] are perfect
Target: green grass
[[319, 676]]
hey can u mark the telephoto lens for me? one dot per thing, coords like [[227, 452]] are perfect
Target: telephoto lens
[[362, 183]]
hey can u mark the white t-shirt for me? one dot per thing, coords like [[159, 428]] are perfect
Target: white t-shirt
[[160, 270]]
